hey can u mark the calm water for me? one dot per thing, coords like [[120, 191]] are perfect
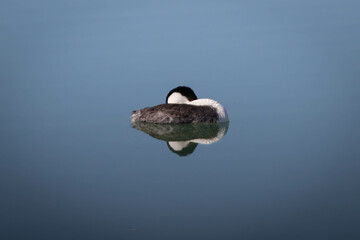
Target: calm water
[[73, 167]]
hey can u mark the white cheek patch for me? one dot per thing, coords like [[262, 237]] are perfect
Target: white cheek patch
[[177, 98]]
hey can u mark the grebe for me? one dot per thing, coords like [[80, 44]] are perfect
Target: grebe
[[182, 106]]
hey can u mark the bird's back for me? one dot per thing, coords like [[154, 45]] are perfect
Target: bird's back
[[176, 113]]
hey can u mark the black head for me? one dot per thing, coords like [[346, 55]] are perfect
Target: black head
[[184, 91]]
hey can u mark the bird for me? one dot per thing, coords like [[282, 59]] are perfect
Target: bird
[[182, 106]]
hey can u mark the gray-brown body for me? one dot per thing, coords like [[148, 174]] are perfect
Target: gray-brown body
[[176, 113]]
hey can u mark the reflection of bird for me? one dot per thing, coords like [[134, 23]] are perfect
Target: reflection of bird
[[182, 148], [182, 106], [182, 139]]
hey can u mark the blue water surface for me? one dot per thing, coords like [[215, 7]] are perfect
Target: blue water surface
[[73, 167]]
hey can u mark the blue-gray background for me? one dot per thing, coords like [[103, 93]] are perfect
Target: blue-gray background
[[71, 166]]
